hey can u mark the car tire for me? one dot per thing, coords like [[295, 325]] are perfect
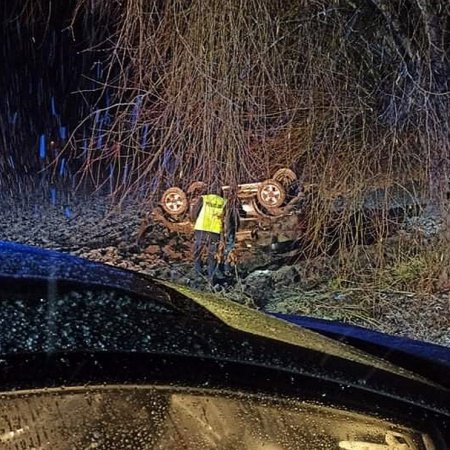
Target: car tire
[[271, 194], [285, 176], [174, 201]]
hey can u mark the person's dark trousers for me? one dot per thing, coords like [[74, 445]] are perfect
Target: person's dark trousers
[[209, 240], [230, 244]]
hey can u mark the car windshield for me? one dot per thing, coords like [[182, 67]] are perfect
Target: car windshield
[[147, 417]]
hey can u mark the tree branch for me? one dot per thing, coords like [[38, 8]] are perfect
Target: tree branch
[[403, 43]]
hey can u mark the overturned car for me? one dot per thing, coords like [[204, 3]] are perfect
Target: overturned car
[[277, 210], [269, 208]]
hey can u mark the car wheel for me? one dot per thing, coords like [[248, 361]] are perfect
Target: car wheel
[[271, 194], [174, 201], [285, 176]]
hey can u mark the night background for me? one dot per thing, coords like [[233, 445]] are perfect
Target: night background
[[105, 105], [43, 68]]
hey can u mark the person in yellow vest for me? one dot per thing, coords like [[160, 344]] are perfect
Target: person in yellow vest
[[208, 215]]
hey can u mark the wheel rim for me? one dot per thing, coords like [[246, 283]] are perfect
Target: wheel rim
[[174, 202], [271, 195]]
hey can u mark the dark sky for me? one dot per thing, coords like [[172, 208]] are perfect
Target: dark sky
[[44, 65]]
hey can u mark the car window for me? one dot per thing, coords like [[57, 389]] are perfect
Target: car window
[[50, 316]]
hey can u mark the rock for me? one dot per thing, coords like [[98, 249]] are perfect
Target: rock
[[428, 224], [286, 276], [122, 247], [259, 285], [163, 273], [171, 254], [152, 250], [185, 281], [252, 259]]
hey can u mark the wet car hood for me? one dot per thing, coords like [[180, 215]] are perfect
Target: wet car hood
[[189, 322], [26, 262], [357, 335]]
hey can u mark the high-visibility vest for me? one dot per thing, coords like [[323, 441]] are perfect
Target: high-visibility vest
[[210, 217]]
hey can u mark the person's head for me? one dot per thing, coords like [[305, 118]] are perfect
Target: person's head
[[215, 188]]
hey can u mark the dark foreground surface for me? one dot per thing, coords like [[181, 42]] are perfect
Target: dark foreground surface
[[68, 322]]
